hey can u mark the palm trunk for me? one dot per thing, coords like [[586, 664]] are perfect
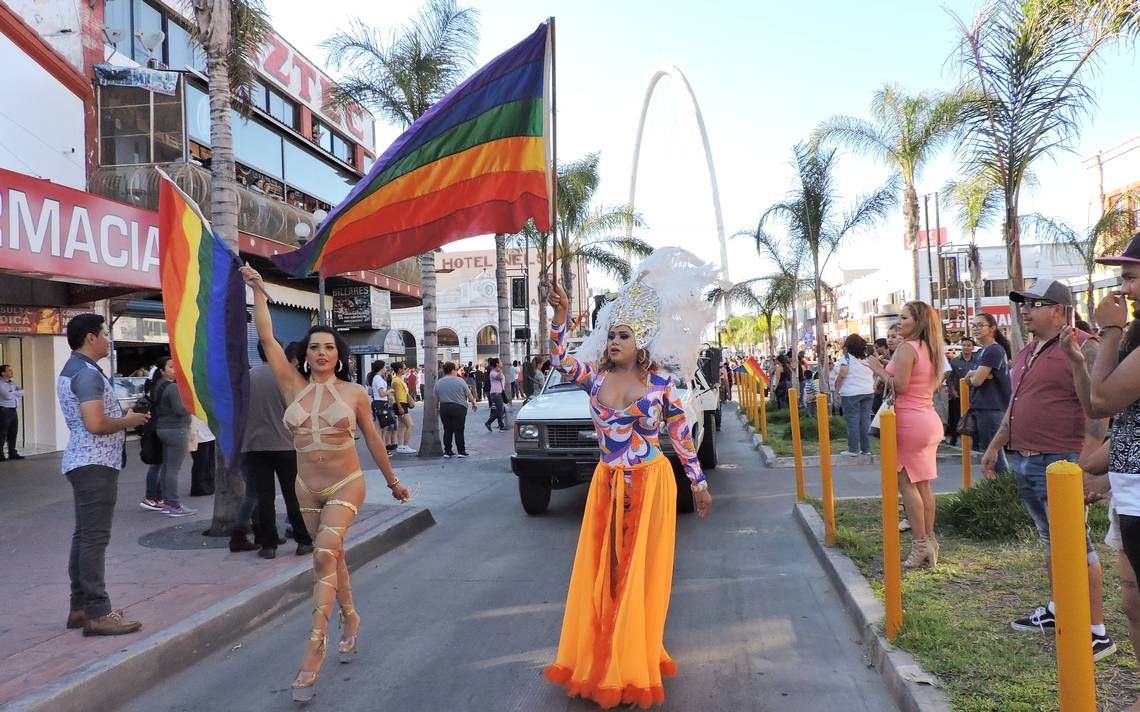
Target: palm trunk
[[567, 279], [976, 273], [213, 18], [430, 445], [1013, 263], [910, 217], [543, 296], [503, 299], [1089, 293], [820, 343]]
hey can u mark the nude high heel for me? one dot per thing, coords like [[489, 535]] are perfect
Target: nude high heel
[[305, 685], [933, 550], [919, 553]]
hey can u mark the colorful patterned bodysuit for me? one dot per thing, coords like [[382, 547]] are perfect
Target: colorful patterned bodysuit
[[629, 436]]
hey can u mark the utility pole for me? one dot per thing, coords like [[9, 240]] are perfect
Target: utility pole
[[929, 266]]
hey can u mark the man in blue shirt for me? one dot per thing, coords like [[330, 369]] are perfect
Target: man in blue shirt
[[91, 462]]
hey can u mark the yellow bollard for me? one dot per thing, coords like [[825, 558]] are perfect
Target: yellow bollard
[[759, 403], [747, 393], [964, 405], [1075, 668], [752, 411], [892, 568], [825, 469], [763, 412], [797, 450]]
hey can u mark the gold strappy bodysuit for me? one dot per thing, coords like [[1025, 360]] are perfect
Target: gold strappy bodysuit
[[317, 428]]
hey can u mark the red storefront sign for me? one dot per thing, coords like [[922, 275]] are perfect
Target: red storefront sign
[[34, 320], [925, 242], [57, 231]]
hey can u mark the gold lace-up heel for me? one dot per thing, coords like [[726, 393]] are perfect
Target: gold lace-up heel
[[305, 686], [346, 648]]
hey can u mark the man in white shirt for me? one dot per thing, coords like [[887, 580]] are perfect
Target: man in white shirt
[[10, 393]]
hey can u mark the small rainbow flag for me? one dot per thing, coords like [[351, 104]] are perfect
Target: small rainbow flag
[[204, 298], [753, 366], [475, 163]]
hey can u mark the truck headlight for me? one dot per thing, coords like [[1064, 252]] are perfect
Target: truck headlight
[[528, 432]]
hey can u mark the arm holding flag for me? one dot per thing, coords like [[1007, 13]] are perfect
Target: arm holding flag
[[288, 379]]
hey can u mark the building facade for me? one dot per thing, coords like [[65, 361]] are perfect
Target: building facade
[[96, 95]]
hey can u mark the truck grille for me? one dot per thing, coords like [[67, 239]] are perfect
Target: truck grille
[[568, 436]]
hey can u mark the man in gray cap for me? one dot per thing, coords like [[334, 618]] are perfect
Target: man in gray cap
[[1045, 423]]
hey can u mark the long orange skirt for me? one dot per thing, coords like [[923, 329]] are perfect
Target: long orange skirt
[[612, 645]]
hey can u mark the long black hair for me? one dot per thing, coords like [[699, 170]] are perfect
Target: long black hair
[[343, 364], [998, 336], [153, 381]]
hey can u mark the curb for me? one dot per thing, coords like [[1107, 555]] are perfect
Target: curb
[[867, 613], [113, 681]]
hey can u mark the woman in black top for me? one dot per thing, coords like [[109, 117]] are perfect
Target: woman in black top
[[171, 420]]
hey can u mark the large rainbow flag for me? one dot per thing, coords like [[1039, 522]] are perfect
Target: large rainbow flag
[[204, 298], [473, 164]]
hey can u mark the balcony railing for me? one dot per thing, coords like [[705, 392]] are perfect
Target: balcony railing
[[257, 214]]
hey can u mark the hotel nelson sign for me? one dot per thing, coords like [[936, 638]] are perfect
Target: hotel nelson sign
[[52, 230]]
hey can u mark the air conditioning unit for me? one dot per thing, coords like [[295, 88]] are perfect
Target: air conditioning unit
[[522, 333]]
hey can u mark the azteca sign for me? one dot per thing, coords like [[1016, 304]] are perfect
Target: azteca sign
[[56, 231]]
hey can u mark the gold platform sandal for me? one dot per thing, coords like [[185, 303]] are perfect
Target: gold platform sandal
[[346, 648]]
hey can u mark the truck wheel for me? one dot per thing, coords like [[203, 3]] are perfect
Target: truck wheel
[[684, 493], [706, 454], [535, 494]]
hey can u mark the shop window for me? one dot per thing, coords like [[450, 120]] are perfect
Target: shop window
[[181, 51], [488, 336], [167, 128], [259, 96], [255, 144], [342, 149], [996, 287], [314, 176], [447, 337], [322, 136]]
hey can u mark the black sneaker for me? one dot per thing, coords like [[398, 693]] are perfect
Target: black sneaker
[[1103, 646], [1038, 621], [447, 455], [462, 454], [487, 426]]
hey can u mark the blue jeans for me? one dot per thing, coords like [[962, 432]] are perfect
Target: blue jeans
[[857, 413], [154, 482], [1030, 474], [988, 423]]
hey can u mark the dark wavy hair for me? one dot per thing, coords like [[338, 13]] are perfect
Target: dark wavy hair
[[855, 345], [998, 336], [343, 368]]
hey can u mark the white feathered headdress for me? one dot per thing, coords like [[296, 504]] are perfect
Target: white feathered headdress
[[665, 306]]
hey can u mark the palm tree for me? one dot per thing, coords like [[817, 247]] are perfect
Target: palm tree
[[502, 295], [811, 214], [977, 200], [1027, 64], [596, 236], [907, 131], [1107, 236], [230, 32], [402, 77]]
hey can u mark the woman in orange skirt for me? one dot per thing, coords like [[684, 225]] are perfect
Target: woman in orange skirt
[[612, 645]]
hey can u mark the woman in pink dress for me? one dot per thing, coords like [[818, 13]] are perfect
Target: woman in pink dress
[[912, 378]]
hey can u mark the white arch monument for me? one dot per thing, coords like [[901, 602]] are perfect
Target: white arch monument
[[675, 72]]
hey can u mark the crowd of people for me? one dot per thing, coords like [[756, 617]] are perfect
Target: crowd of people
[[1071, 394]]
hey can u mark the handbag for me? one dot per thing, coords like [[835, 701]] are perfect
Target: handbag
[[150, 447], [968, 424], [888, 402]]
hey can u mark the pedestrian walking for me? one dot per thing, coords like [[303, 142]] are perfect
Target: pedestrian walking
[[513, 379], [912, 376], [495, 395], [202, 456], [91, 461], [412, 383], [270, 461], [1045, 423], [990, 381], [611, 648], [454, 396], [856, 386], [324, 412], [172, 424], [10, 395], [403, 409]]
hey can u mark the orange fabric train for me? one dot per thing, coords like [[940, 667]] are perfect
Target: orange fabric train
[[612, 645]]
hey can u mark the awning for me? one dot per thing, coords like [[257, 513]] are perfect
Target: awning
[[379, 341], [292, 297]]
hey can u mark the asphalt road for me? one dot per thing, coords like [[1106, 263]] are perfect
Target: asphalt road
[[465, 616]]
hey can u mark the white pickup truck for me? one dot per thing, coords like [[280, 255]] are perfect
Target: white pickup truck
[[556, 446]]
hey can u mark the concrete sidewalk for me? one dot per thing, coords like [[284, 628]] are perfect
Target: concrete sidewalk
[[190, 592]]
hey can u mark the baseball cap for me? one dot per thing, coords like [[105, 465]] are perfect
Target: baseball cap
[[1049, 289], [1131, 255]]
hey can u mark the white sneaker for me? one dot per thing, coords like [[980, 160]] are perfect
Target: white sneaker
[[406, 450]]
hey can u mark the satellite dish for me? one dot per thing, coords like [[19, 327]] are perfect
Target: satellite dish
[[114, 35], [150, 40]]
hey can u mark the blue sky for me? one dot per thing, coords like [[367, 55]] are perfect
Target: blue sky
[[765, 74]]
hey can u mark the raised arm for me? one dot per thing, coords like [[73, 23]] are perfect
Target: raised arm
[[1114, 384], [682, 439], [288, 379], [578, 371]]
